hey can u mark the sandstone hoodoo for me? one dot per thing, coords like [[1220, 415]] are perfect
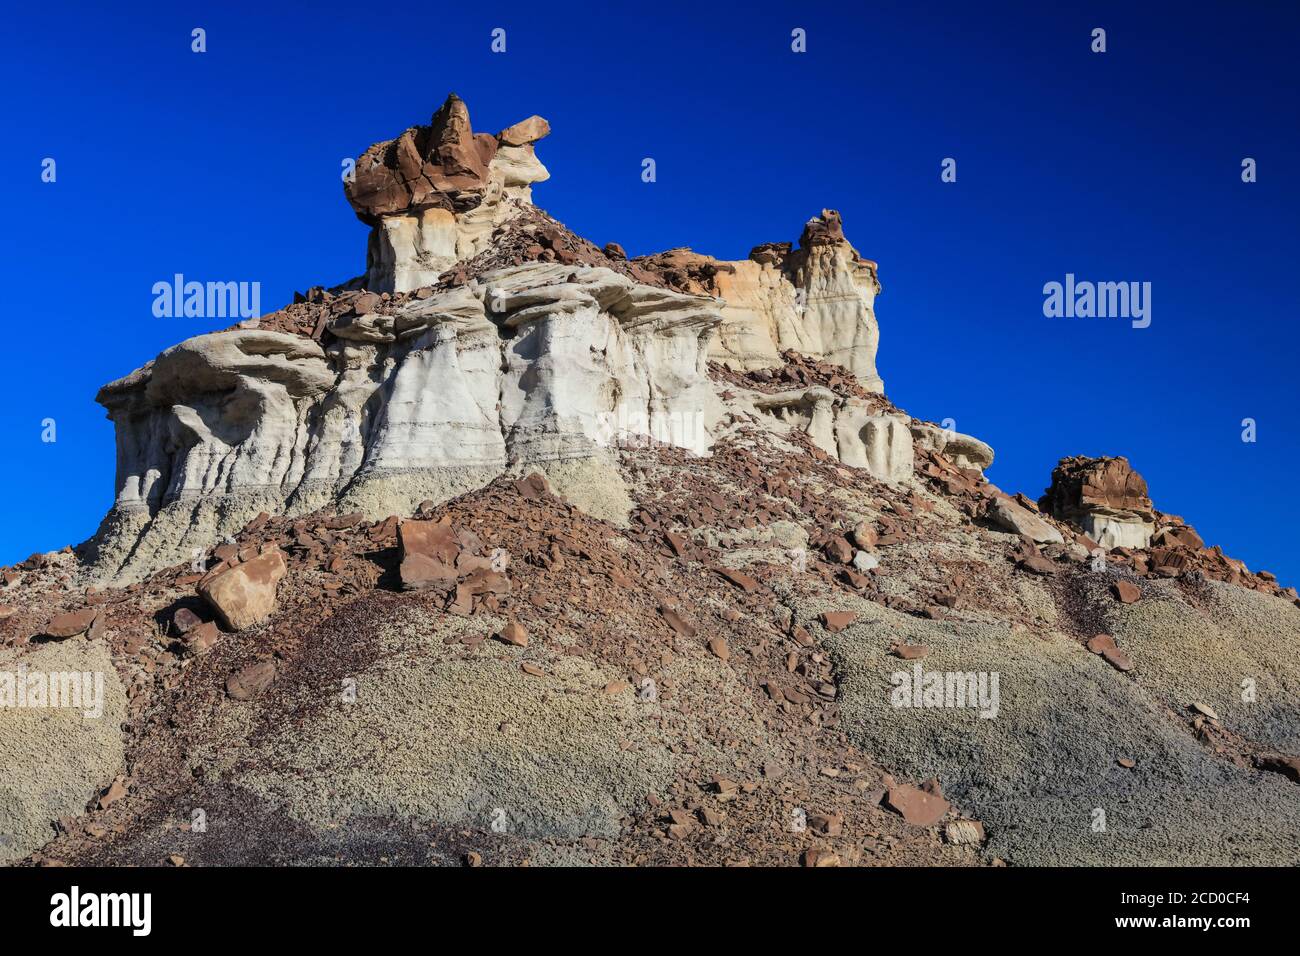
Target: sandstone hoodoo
[[1103, 496], [633, 550]]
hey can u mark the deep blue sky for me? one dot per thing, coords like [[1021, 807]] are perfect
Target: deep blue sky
[[1119, 166]]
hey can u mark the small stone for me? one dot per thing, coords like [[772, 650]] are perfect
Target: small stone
[[1118, 659], [965, 832], [827, 824], [864, 535], [1205, 710], [720, 649], [865, 562], [1126, 591], [840, 550], [185, 620], [202, 639], [914, 805], [1100, 643], [514, 634], [1127, 763], [836, 621], [910, 652], [247, 683]]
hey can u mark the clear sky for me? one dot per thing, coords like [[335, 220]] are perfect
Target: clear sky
[[1115, 166]]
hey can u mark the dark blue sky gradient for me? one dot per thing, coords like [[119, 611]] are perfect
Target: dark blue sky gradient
[[1122, 166]]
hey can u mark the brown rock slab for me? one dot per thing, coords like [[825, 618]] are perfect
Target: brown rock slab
[[1037, 564], [719, 648], [739, 579], [246, 683], [514, 634], [836, 621], [524, 132], [435, 540], [1118, 659], [910, 652], [676, 622], [533, 487], [1100, 643], [419, 571], [914, 805], [1126, 592], [244, 595], [63, 626]]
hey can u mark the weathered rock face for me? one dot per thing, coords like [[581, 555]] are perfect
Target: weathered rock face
[[1103, 496], [489, 340], [849, 429], [521, 367], [818, 300], [434, 195]]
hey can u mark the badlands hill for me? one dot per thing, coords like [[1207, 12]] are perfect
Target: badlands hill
[[514, 549]]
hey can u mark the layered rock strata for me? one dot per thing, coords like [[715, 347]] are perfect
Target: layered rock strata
[[1103, 496], [434, 195], [817, 299], [485, 338]]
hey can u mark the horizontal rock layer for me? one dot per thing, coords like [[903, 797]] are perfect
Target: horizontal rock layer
[[521, 367]]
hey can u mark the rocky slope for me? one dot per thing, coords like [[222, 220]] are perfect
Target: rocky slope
[[516, 549]]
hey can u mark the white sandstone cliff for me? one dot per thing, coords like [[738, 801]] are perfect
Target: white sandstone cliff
[[483, 369]]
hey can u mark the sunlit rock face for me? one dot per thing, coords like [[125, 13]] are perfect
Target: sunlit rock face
[[817, 299], [1103, 496], [483, 338], [434, 195], [521, 367]]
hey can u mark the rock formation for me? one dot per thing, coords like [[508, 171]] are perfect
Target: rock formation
[[1103, 496], [486, 339], [434, 195], [818, 300], [632, 552]]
